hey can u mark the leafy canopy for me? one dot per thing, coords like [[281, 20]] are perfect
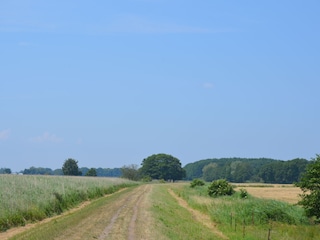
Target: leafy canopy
[[70, 168], [162, 166], [310, 185]]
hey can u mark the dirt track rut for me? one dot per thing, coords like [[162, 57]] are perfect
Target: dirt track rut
[[120, 219], [124, 221]]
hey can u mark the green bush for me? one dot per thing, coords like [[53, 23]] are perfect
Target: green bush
[[146, 179], [162, 181], [196, 182], [220, 187], [243, 193]]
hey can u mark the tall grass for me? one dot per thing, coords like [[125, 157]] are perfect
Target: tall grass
[[30, 198], [250, 217]]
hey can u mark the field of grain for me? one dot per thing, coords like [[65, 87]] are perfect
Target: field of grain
[[281, 192]]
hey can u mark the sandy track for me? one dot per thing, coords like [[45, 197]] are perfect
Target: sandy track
[[116, 220], [124, 221]]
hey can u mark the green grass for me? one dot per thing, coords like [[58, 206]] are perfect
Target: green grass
[[250, 218], [26, 199], [174, 221]]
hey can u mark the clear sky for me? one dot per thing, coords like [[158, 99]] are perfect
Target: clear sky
[[109, 83]]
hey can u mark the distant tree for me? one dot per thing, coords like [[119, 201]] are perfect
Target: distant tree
[[210, 172], [37, 171], [130, 172], [57, 172], [162, 166], [70, 167], [310, 185], [91, 172], [243, 172], [84, 170], [108, 172], [5, 171]]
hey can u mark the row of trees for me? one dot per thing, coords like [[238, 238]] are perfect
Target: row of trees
[[167, 167], [70, 168], [247, 170], [5, 171], [157, 166], [100, 172]]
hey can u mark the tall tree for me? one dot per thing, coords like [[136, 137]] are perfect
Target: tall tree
[[310, 185], [162, 166], [70, 167]]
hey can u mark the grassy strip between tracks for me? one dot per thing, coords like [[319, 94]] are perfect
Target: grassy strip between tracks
[[174, 221]]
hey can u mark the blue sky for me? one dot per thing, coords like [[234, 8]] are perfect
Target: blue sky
[[111, 82]]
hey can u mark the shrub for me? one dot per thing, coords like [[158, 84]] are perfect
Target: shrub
[[220, 187], [196, 182], [243, 193], [162, 181], [146, 179]]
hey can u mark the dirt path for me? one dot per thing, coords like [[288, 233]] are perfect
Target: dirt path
[[125, 216], [199, 216], [131, 218]]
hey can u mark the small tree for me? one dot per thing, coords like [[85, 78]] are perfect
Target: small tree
[[220, 187], [130, 172], [310, 185], [70, 168], [92, 172]]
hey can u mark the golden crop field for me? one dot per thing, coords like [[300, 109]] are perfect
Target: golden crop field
[[282, 192]]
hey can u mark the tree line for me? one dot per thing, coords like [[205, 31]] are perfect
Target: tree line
[[247, 170], [83, 171], [167, 167]]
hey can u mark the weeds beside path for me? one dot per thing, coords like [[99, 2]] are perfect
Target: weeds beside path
[[199, 216]]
